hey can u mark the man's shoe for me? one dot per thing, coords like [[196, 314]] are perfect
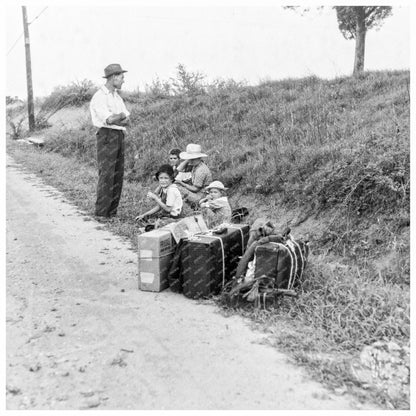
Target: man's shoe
[[104, 218]]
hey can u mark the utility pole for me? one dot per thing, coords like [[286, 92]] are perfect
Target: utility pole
[[30, 105]]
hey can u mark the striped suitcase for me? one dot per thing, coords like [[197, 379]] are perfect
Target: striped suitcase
[[209, 261]]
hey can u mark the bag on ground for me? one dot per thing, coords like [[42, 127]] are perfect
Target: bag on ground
[[278, 269]]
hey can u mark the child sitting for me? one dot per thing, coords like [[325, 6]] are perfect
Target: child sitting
[[175, 162], [215, 208], [174, 159], [168, 198], [181, 174]]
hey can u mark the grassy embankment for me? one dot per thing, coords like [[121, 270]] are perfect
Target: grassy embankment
[[330, 158]]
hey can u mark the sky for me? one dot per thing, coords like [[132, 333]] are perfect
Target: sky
[[250, 41]]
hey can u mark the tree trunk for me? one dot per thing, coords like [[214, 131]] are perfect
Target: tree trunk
[[359, 41]]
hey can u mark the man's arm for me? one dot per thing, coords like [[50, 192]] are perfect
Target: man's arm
[[118, 119], [102, 116], [189, 186], [147, 213], [182, 166]]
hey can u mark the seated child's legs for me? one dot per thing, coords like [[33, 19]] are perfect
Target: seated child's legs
[[210, 217]]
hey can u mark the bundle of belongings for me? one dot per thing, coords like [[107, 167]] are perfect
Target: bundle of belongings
[[272, 265], [232, 259]]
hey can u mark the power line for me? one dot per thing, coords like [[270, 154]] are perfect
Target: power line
[[14, 44], [38, 15], [17, 40]]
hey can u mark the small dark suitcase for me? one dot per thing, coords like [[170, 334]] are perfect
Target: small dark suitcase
[[209, 261]]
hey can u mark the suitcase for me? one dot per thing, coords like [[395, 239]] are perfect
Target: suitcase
[[209, 261], [284, 262], [155, 249]]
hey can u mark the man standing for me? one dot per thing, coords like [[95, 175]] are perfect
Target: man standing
[[109, 114]]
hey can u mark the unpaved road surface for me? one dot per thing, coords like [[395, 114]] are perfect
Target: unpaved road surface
[[80, 335]]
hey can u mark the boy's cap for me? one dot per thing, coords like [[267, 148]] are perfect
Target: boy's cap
[[193, 151], [168, 169], [217, 185]]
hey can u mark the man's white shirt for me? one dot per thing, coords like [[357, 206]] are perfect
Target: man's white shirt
[[103, 105]]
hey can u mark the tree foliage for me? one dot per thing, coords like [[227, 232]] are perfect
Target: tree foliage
[[349, 16], [353, 23]]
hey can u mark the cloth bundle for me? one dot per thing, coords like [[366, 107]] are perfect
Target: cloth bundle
[[275, 267]]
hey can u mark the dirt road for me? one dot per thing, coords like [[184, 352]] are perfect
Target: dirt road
[[80, 335]]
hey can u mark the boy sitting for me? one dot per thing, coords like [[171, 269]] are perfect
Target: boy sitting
[[184, 174], [215, 208]]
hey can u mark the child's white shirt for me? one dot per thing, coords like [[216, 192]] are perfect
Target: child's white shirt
[[174, 199]]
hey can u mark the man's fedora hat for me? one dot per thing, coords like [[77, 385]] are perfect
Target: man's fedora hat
[[193, 151], [112, 69]]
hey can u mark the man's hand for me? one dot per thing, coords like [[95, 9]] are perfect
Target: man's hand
[[119, 119], [124, 122]]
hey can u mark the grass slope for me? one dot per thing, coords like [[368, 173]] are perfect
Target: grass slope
[[329, 158]]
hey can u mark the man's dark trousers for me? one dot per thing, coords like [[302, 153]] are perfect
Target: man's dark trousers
[[110, 158]]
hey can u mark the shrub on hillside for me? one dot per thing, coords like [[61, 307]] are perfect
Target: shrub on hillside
[[15, 121], [75, 95], [187, 82], [158, 89]]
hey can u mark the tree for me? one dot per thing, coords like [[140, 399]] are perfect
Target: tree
[[355, 21]]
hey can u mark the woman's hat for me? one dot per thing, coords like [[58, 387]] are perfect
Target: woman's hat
[[217, 185], [168, 169], [112, 69], [193, 151]]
